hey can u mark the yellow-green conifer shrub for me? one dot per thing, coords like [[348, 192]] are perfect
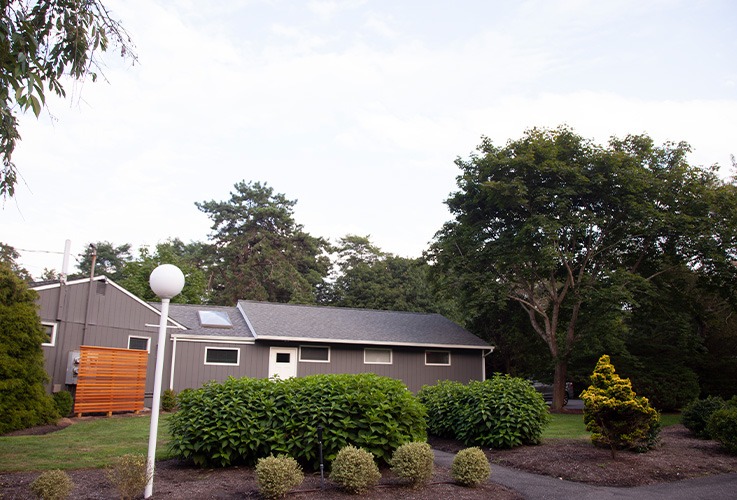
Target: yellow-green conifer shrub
[[616, 417], [355, 470], [52, 485], [278, 475], [414, 461], [129, 474], [470, 467]]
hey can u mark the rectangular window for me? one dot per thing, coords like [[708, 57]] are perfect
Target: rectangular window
[[50, 330], [314, 354], [218, 356], [440, 358], [377, 356], [138, 343]]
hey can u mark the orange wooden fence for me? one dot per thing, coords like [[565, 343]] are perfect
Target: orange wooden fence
[[110, 380]]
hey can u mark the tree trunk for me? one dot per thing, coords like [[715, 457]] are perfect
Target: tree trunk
[[559, 385]]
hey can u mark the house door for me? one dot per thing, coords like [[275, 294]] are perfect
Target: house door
[[283, 362]]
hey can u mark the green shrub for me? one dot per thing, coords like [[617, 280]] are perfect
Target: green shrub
[[443, 402], [354, 470], [614, 415], [241, 420], [277, 475], [129, 474], [722, 427], [470, 467], [64, 403], [169, 400], [695, 416], [414, 461], [52, 485], [501, 412], [23, 399]]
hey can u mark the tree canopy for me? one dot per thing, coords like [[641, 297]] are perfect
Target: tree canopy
[[569, 229], [41, 43], [260, 252]]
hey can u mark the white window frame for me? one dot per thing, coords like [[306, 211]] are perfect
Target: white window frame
[[437, 364], [54, 325], [314, 360], [391, 356], [147, 339], [236, 349]]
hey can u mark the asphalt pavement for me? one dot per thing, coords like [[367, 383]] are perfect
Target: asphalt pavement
[[537, 487]]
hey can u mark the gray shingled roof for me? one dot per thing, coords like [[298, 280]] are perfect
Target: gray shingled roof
[[357, 326], [187, 315]]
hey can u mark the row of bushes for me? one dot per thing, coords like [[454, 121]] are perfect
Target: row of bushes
[[241, 420], [713, 418], [500, 412], [355, 470]]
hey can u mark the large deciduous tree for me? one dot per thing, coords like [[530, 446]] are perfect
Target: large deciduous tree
[[569, 230], [109, 260], [42, 42], [366, 277], [261, 253], [186, 256]]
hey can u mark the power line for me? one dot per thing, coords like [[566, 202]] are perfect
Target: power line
[[38, 251]]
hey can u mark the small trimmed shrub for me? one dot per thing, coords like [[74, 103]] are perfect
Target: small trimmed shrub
[[64, 403], [129, 474], [616, 417], [277, 475], [470, 467], [695, 416], [414, 461], [52, 485], [722, 427], [169, 400], [354, 470]]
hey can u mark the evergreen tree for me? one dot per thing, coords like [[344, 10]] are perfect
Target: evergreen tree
[[23, 399]]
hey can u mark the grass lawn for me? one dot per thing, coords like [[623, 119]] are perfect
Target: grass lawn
[[571, 426], [92, 443]]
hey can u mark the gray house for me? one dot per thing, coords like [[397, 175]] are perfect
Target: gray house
[[254, 339]]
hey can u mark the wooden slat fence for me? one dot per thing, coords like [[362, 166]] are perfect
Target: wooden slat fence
[[110, 380]]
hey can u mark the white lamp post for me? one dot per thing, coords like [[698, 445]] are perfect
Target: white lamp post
[[166, 281]]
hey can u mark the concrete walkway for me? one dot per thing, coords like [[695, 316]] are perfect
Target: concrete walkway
[[534, 487]]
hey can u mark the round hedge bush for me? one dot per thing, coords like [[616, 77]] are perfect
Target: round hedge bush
[[501, 412], [695, 416], [277, 475], [414, 461], [722, 427], [52, 485], [354, 470], [470, 467]]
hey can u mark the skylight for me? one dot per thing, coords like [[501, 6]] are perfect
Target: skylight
[[215, 319]]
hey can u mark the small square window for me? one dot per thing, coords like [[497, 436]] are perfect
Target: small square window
[[283, 357], [440, 358], [377, 356], [314, 354], [214, 356], [138, 343], [50, 331]]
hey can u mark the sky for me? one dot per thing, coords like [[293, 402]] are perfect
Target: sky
[[356, 109]]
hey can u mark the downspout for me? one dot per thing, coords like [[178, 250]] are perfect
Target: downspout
[[173, 360], [483, 362], [89, 295], [61, 310]]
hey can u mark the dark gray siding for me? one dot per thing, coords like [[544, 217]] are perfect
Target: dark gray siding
[[190, 370], [111, 317], [408, 365]]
